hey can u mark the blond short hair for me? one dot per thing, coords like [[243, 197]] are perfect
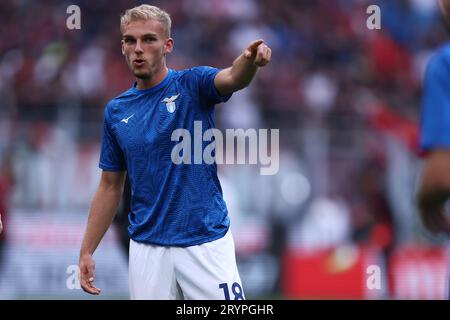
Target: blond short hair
[[146, 12]]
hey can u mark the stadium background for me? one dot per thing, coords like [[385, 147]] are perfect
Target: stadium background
[[345, 98]]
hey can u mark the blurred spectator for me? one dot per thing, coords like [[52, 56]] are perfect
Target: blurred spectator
[[371, 215], [6, 184], [326, 225]]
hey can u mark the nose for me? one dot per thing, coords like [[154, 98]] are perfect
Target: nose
[[138, 48]]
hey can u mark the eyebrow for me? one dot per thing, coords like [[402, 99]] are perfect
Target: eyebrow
[[127, 36]]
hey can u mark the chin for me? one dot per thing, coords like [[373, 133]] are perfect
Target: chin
[[142, 75]]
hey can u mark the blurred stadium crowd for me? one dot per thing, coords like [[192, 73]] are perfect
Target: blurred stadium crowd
[[345, 98]]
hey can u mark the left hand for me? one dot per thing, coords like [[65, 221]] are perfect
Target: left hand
[[258, 52], [435, 220]]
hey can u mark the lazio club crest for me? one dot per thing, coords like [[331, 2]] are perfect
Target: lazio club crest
[[170, 103]]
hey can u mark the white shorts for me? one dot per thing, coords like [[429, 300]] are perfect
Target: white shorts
[[203, 272]]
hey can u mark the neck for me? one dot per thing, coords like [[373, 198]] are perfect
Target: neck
[[153, 81]]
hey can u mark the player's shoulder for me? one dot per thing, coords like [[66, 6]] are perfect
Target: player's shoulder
[[192, 77], [119, 100], [441, 58], [193, 72], [444, 50], [124, 96]]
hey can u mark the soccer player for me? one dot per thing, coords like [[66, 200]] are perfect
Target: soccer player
[[181, 245], [434, 188]]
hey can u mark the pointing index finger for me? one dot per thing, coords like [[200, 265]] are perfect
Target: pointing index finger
[[254, 45]]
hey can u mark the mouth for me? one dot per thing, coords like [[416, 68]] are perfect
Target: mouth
[[138, 62]]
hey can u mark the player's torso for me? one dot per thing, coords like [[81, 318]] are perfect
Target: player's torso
[[172, 204], [144, 122]]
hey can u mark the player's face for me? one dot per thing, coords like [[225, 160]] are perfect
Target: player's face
[[144, 45]]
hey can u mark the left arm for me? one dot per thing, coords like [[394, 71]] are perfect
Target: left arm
[[434, 187], [243, 69]]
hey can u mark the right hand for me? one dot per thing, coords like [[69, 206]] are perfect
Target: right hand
[[87, 267], [258, 52]]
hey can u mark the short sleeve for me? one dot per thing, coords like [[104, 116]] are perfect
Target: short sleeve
[[204, 78], [111, 155], [435, 117]]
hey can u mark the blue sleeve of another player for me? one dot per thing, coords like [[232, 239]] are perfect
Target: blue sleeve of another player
[[111, 155], [435, 119], [204, 77]]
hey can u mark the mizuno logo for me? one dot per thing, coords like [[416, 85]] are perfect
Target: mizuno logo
[[170, 103], [126, 119]]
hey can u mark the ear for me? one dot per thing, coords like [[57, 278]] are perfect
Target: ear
[[168, 47], [123, 46]]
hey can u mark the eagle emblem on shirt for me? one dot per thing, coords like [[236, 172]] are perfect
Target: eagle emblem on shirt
[[170, 103]]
